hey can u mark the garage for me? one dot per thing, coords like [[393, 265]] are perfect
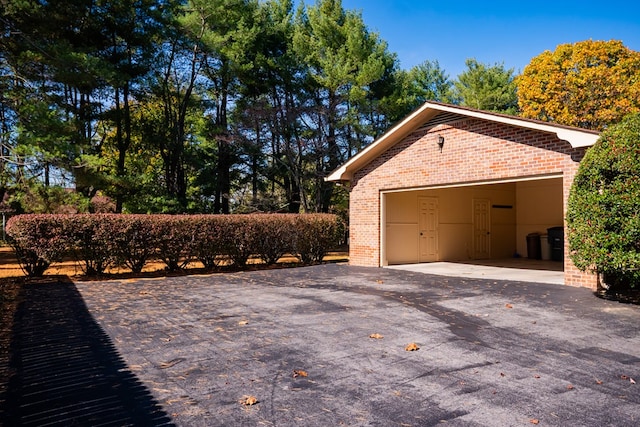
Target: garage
[[450, 183], [474, 222]]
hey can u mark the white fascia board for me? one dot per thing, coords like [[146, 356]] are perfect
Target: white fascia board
[[576, 137], [344, 174]]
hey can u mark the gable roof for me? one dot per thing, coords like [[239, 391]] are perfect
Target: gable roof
[[577, 137]]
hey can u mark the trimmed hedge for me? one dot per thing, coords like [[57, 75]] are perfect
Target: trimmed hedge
[[102, 241], [38, 240], [89, 241]]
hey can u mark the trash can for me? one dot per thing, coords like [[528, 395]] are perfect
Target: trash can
[[545, 249], [556, 243], [533, 246]]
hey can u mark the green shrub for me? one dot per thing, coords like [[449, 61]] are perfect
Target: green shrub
[[603, 215]]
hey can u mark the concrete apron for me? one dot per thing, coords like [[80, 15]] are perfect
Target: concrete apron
[[521, 270]]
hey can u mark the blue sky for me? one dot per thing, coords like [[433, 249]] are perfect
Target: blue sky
[[509, 32]]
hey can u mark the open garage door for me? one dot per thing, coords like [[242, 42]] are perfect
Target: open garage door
[[468, 222]]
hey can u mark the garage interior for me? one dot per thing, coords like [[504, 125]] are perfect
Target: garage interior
[[479, 223]]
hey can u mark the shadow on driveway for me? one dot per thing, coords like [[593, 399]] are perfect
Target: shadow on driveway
[[66, 370]]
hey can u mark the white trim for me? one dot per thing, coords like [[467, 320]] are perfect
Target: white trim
[[575, 136], [341, 172], [473, 183], [383, 262]]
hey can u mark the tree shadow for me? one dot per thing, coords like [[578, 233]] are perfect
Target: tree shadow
[[65, 369]]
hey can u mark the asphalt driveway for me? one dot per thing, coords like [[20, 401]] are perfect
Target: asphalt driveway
[[188, 350]]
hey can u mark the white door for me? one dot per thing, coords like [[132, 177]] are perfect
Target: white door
[[481, 229], [428, 225]]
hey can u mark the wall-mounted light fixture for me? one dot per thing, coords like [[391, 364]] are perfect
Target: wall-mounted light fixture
[[440, 142]]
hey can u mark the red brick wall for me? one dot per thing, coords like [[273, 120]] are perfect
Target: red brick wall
[[474, 151]]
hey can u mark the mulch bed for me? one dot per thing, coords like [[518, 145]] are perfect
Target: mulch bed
[[629, 296]]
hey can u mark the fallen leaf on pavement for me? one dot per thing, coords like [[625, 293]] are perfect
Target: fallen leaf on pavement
[[165, 365], [248, 400], [412, 347], [376, 336], [299, 373]]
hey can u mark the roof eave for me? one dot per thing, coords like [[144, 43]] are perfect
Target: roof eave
[[393, 135], [576, 137]]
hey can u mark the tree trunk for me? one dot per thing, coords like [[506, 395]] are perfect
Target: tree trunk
[[121, 151]]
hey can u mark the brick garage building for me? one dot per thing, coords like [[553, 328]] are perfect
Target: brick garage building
[[450, 183]]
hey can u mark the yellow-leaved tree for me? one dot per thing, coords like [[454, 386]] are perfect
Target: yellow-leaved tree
[[589, 84]]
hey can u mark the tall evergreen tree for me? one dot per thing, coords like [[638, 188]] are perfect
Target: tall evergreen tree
[[426, 81], [77, 64], [58, 78], [343, 58], [132, 28], [487, 87]]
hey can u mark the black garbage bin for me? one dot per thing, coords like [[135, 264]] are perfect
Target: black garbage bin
[[556, 242], [533, 246]]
